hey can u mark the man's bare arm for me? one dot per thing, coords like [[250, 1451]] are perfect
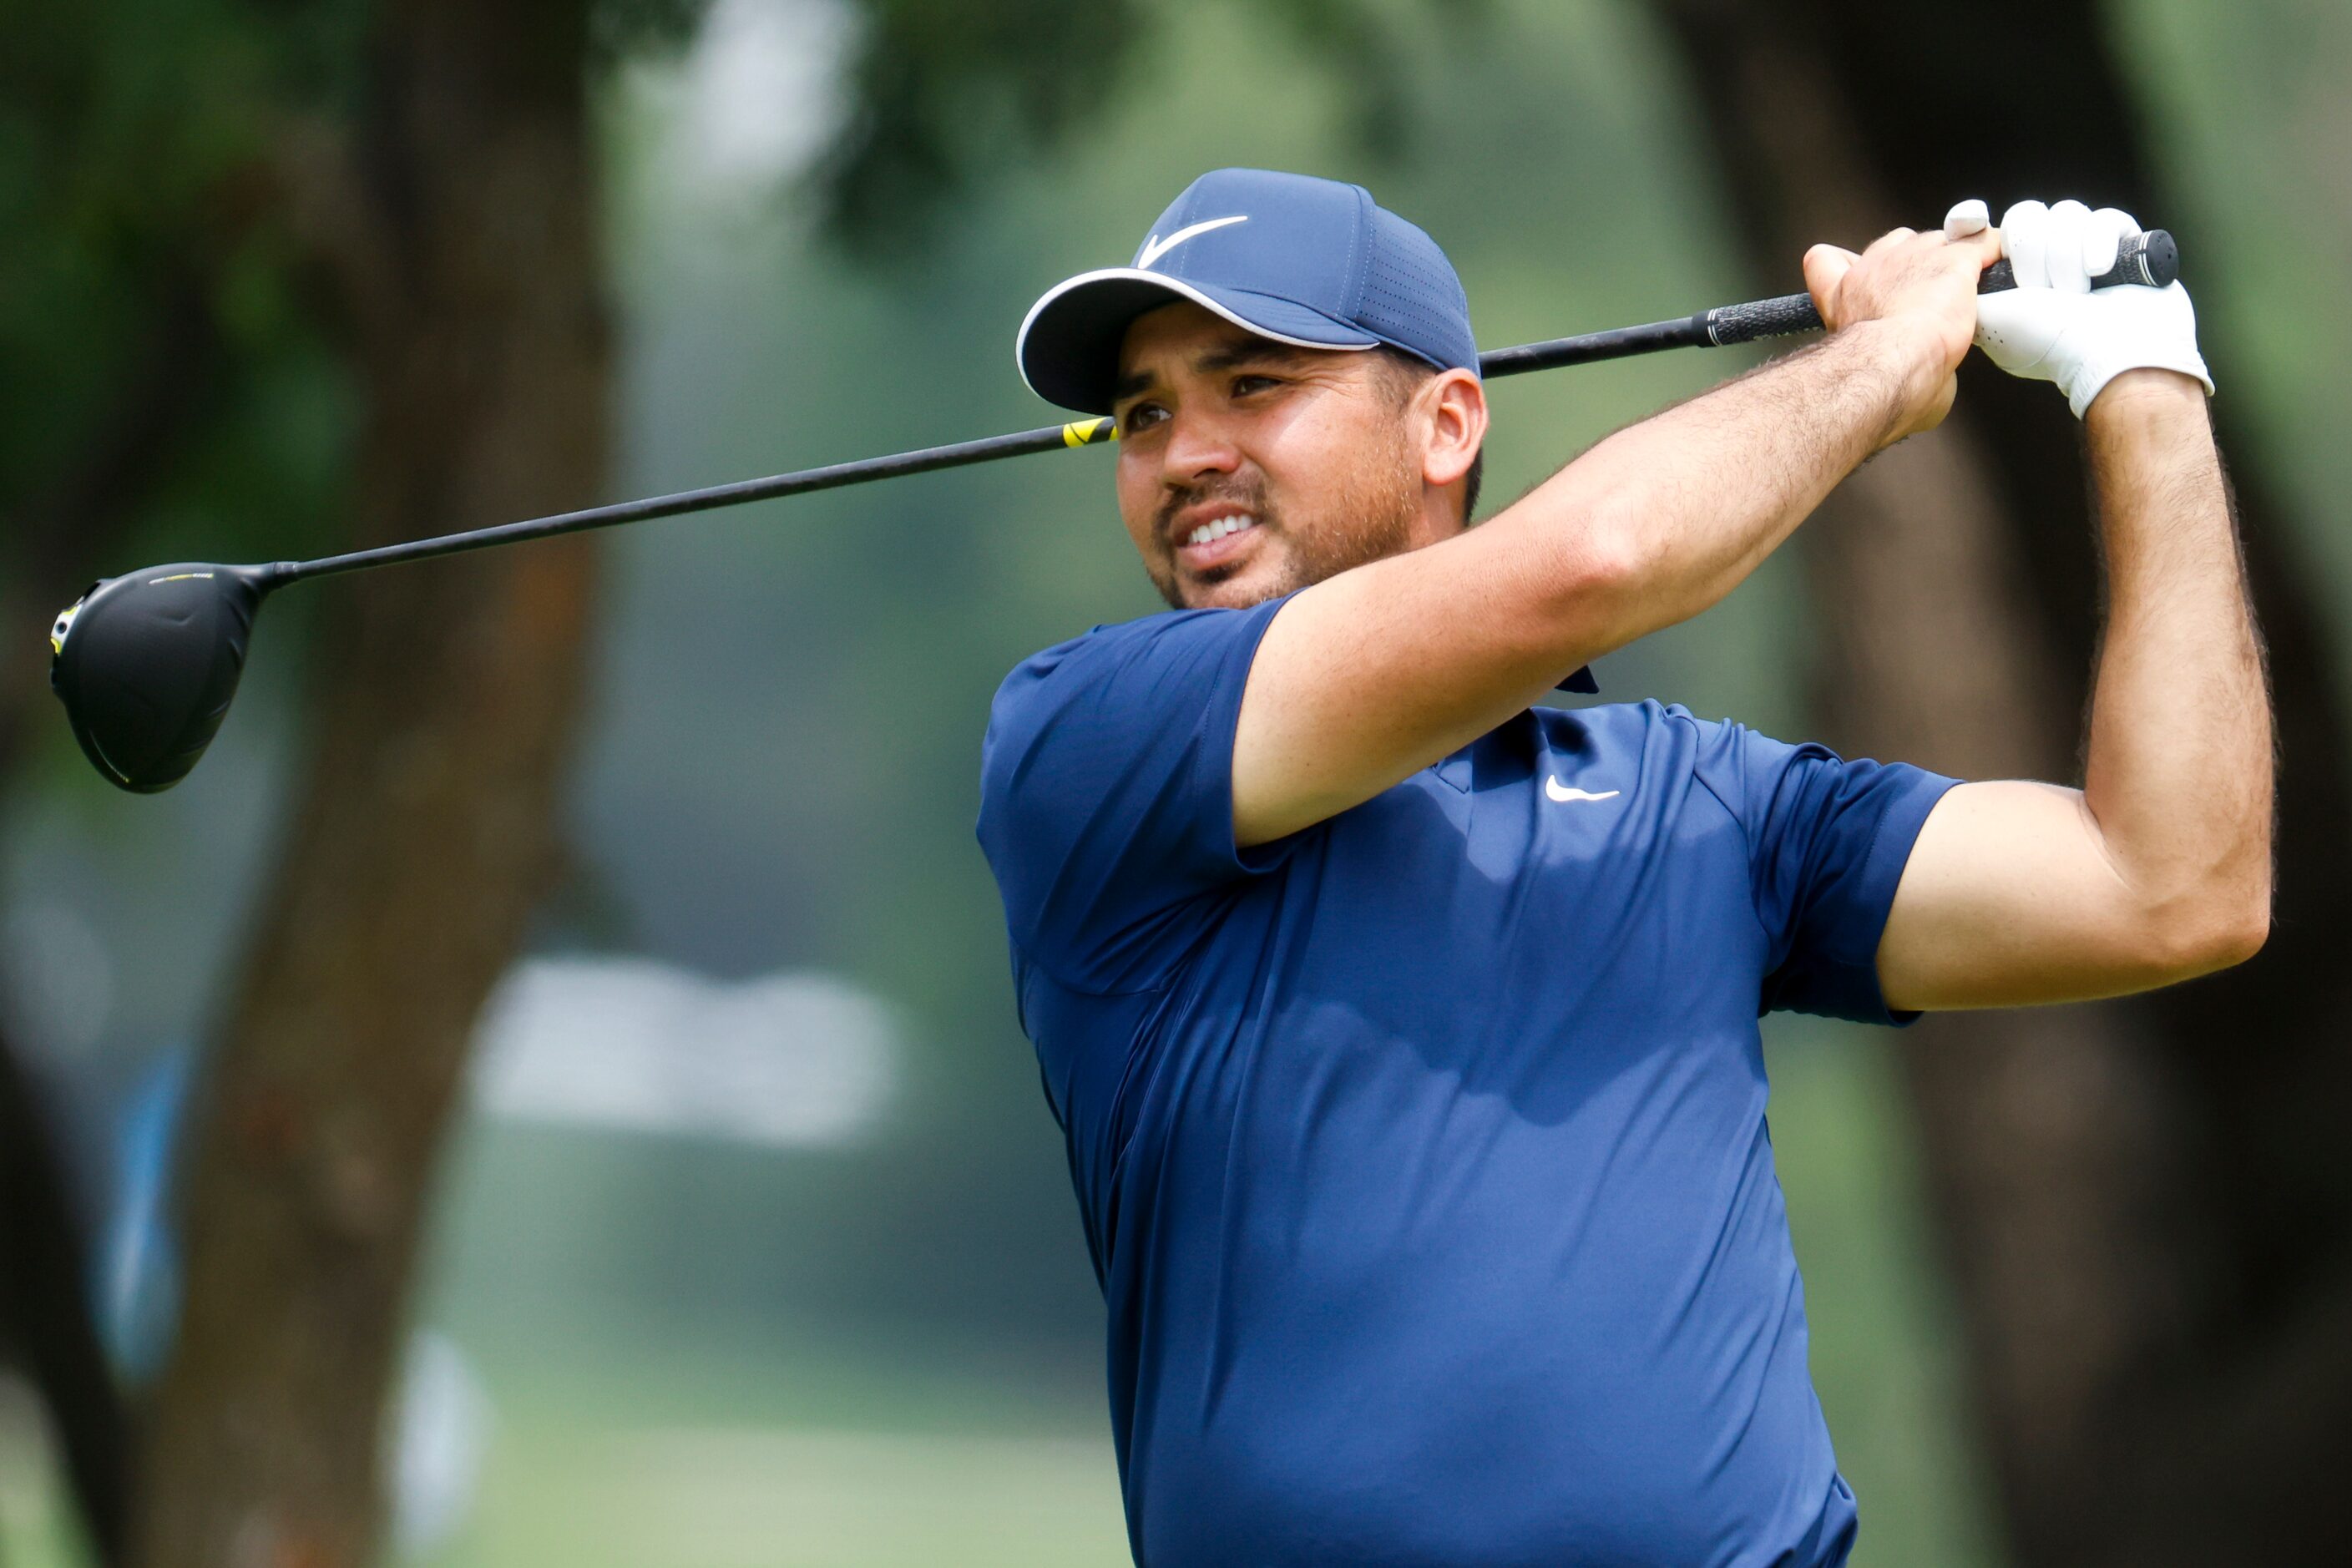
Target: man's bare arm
[[1372, 675], [2160, 868]]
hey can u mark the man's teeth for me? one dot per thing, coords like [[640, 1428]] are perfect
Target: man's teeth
[[1219, 529]]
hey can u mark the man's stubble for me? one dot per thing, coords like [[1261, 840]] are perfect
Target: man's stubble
[[1368, 517]]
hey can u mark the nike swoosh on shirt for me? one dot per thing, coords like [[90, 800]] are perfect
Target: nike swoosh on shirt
[[1155, 247], [1559, 791]]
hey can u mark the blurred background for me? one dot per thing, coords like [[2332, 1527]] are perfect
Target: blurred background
[[546, 1090]]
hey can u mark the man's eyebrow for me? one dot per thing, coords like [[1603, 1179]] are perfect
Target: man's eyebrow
[[1247, 350], [1229, 356]]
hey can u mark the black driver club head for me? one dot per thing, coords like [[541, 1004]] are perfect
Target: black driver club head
[[146, 665]]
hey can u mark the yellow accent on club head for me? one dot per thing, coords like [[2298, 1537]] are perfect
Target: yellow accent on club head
[[181, 577], [1085, 432], [61, 625]]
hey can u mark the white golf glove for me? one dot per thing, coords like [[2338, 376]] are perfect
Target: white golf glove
[[2054, 326]]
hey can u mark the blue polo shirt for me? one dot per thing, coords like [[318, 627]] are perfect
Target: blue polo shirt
[[1422, 1154]]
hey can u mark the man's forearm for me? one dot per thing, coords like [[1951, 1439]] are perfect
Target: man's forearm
[[2179, 772], [1688, 503]]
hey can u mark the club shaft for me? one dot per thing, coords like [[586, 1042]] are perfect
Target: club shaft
[[923, 461], [2150, 259], [1615, 344]]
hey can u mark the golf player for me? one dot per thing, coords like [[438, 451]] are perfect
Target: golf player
[[1402, 1029]]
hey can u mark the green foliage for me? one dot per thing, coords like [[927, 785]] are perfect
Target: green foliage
[[622, 30], [192, 397], [153, 296], [942, 91]]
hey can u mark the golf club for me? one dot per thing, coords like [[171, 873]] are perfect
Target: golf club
[[146, 663]]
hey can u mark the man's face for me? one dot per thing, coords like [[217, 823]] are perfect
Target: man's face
[[1248, 468]]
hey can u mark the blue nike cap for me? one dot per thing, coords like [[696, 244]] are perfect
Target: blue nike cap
[[1290, 256]]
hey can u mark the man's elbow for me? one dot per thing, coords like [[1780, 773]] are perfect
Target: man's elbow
[[1592, 578], [2214, 930]]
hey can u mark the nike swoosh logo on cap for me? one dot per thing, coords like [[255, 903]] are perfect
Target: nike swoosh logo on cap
[[1155, 247], [1559, 791]]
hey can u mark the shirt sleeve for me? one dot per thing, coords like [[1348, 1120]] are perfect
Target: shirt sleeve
[[1827, 841], [1106, 803]]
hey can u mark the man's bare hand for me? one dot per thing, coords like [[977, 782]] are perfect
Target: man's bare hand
[[1924, 288]]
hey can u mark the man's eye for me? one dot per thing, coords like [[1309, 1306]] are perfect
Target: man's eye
[[1245, 385], [1141, 416]]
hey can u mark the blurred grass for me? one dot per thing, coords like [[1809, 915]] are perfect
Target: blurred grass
[[867, 1464], [715, 1497], [34, 1531]]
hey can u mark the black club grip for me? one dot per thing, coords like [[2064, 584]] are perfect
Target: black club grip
[[1727, 324], [2151, 260]]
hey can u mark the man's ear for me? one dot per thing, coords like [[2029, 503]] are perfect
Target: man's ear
[[1455, 402]]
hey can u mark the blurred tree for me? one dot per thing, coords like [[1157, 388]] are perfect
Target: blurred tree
[[446, 218], [140, 312], [2143, 1203], [256, 250]]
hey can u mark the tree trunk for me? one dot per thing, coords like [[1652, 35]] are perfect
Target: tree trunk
[[2144, 1203], [460, 242]]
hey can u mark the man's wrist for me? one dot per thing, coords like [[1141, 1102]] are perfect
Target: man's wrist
[[2146, 421], [1909, 360], [2147, 393]]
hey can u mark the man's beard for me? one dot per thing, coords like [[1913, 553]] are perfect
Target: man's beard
[[1371, 516]]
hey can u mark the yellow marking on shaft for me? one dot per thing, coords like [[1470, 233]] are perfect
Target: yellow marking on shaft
[[1083, 432]]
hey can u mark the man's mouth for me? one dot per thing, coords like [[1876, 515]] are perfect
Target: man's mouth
[[1217, 541]]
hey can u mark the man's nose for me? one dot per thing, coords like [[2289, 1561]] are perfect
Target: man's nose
[[1197, 444]]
